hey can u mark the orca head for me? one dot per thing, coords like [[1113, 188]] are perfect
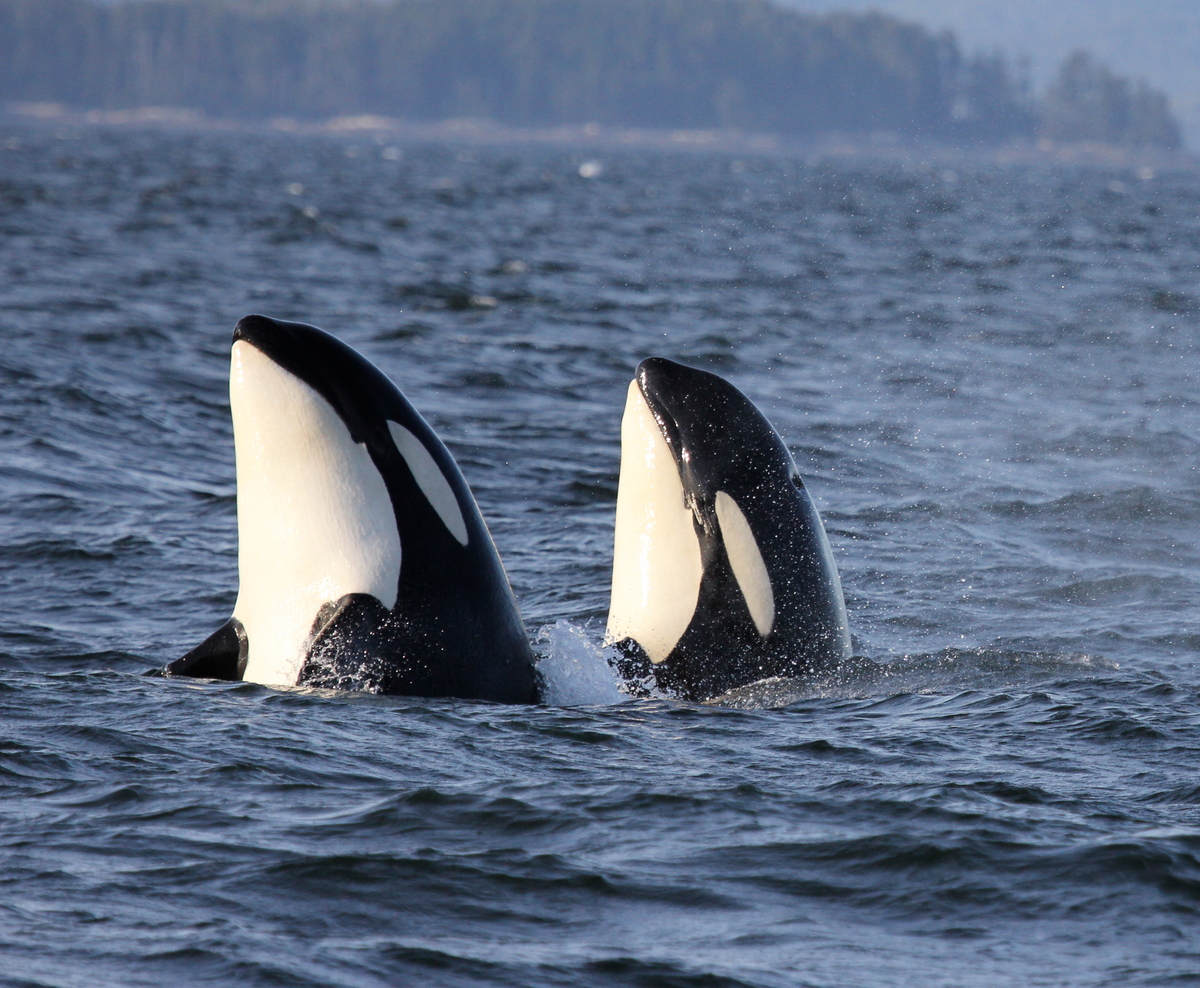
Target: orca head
[[717, 436], [332, 465], [703, 474]]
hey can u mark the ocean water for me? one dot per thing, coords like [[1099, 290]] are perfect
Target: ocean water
[[988, 376]]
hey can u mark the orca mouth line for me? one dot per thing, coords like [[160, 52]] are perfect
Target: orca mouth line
[[664, 386], [668, 387], [695, 497], [667, 423], [259, 331]]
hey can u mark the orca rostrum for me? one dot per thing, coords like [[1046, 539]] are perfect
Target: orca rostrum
[[363, 561], [722, 573]]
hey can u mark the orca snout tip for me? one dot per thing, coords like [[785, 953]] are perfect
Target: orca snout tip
[[252, 327], [654, 365], [668, 379], [652, 373]]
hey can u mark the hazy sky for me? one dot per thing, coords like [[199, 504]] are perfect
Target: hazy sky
[[1156, 39]]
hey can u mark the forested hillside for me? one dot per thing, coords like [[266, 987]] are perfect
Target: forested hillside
[[742, 64], [1087, 102], [1158, 40]]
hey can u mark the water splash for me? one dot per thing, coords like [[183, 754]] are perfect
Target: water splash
[[575, 667]]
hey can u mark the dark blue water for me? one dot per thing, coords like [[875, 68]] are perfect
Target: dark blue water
[[989, 379]]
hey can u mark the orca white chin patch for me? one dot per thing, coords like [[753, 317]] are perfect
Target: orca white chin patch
[[315, 520], [746, 561], [656, 556]]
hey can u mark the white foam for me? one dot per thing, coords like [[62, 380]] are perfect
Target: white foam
[[575, 668]]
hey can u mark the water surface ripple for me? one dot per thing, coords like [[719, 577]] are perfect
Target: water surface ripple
[[987, 377]]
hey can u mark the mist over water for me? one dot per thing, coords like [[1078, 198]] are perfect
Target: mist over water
[[987, 377]]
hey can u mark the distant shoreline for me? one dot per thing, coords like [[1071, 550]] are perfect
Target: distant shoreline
[[598, 137]]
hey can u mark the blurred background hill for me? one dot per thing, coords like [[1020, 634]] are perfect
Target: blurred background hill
[[744, 65], [1158, 40]]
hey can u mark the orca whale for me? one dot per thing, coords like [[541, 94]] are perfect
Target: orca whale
[[363, 561], [722, 572]]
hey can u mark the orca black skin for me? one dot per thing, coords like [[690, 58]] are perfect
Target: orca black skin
[[455, 630], [724, 449]]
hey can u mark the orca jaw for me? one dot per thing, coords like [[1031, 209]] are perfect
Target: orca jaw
[[657, 563], [315, 518], [356, 390], [718, 436]]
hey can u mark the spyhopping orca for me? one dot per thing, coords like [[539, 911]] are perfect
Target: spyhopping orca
[[722, 572], [362, 558]]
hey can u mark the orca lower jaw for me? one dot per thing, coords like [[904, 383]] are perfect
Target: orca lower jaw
[[315, 517], [667, 426]]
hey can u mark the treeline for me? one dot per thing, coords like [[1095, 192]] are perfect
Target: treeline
[[1089, 103], [696, 64]]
